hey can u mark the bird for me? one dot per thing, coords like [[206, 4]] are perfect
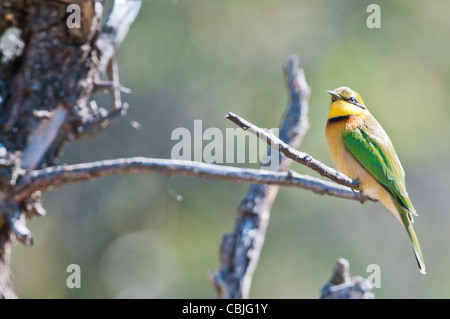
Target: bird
[[361, 149]]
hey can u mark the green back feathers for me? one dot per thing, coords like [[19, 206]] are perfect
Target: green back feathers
[[371, 147]]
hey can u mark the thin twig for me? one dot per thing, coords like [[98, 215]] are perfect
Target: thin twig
[[100, 122], [17, 222], [112, 72], [116, 27], [292, 153], [59, 176]]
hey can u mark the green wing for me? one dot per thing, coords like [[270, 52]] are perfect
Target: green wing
[[371, 146]]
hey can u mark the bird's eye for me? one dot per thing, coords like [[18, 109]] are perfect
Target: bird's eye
[[352, 100]]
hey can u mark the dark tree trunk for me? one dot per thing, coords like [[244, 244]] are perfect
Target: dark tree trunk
[[46, 84]]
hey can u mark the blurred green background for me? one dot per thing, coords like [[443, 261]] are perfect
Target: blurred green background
[[200, 59]]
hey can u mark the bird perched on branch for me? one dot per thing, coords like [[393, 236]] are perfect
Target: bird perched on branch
[[361, 149]]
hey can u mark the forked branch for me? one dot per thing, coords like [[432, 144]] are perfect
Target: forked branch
[[292, 153]]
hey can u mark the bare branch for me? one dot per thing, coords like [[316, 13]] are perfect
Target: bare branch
[[240, 250], [112, 71], [100, 122], [290, 152], [115, 29], [17, 222], [58, 176], [341, 286], [6, 285], [44, 135]]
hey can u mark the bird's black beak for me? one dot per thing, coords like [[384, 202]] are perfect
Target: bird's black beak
[[335, 96]]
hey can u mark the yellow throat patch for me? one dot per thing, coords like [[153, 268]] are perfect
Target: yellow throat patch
[[343, 108]]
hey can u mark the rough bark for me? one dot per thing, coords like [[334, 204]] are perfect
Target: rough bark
[[239, 251], [45, 87], [342, 286]]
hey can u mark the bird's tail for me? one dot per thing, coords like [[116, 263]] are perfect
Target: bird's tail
[[407, 223]]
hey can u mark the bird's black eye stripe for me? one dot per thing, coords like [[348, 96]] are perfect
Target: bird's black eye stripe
[[354, 101]]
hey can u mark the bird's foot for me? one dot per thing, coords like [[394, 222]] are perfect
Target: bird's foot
[[355, 181]]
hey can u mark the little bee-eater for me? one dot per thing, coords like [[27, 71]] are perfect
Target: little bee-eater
[[361, 149]]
